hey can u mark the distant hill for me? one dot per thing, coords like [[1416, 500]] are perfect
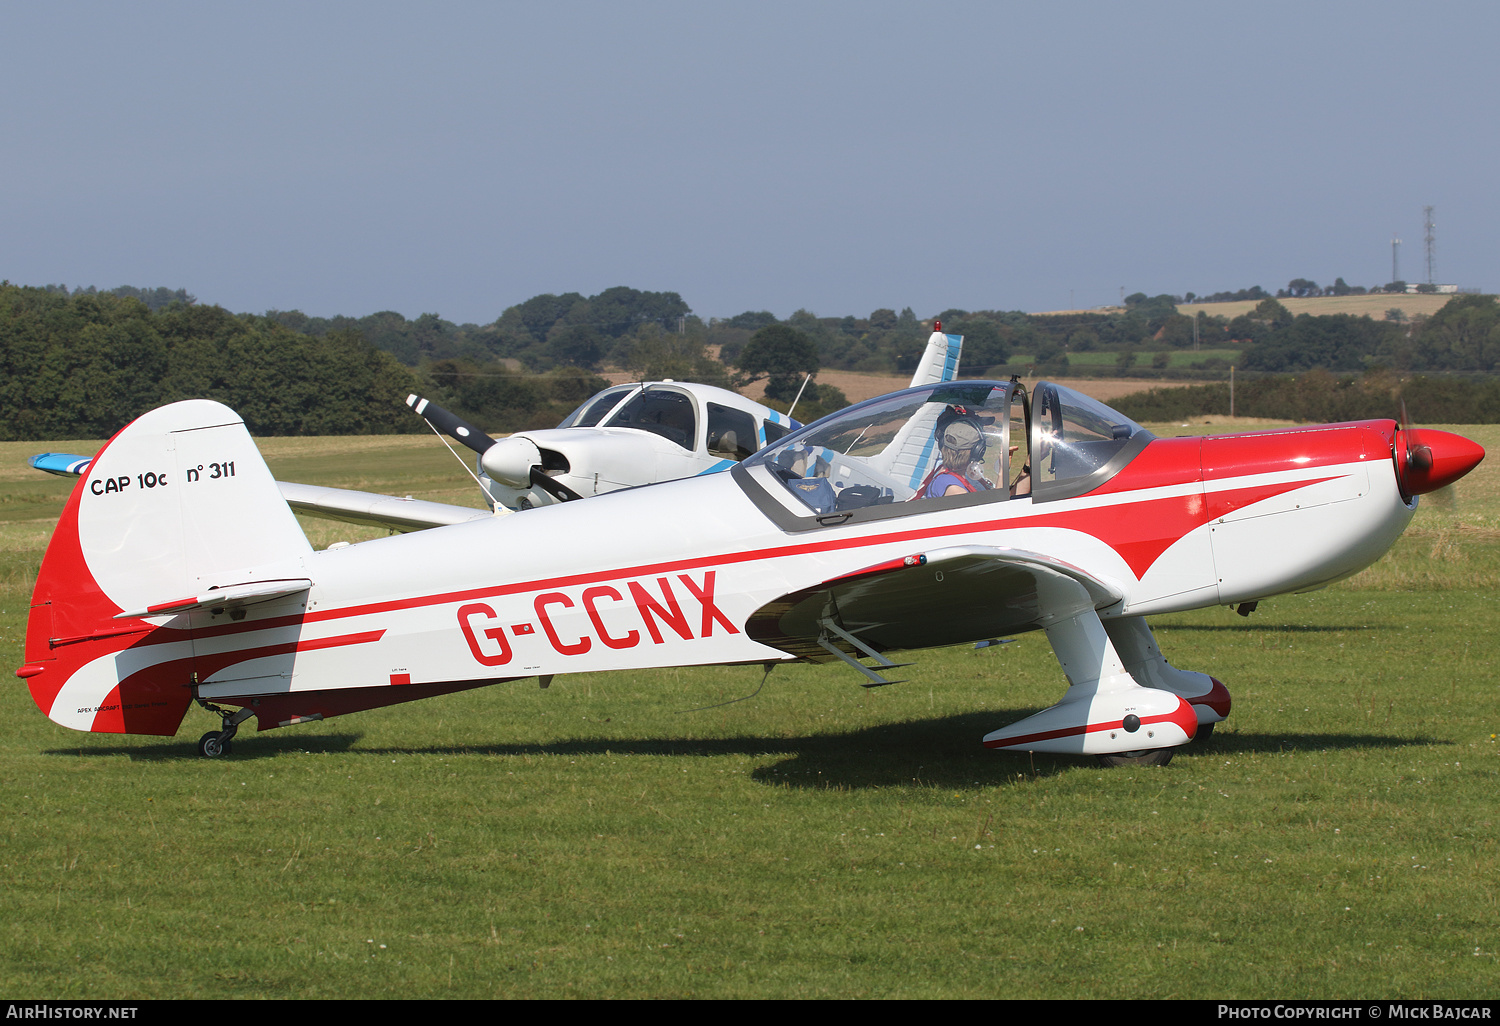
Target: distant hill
[[1373, 306]]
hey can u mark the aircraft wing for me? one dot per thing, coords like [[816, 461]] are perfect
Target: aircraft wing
[[367, 509], [371, 509], [945, 596]]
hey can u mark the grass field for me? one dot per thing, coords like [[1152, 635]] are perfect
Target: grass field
[[610, 837]]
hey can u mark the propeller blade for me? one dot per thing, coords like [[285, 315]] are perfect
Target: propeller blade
[[1405, 436], [451, 424], [552, 486]]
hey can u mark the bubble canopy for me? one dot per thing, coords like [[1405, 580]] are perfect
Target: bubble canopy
[[955, 443]]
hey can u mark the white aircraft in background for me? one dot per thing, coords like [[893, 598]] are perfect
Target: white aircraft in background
[[640, 433], [622, 437], [627, 435]]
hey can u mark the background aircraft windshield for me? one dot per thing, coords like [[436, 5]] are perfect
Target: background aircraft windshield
[[662, 411], [594, 409]]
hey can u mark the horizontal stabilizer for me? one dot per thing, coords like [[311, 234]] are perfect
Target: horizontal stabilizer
[[233, 597]]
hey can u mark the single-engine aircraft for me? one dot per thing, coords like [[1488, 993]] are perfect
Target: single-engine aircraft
[[622, 437], [627, 435], [177, 574]]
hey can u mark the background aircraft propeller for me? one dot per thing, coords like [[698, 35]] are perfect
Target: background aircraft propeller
[[514, 461], [451, 424]]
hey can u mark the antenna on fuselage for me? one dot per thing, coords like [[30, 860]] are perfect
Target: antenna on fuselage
[[743, 698], [799, 397]]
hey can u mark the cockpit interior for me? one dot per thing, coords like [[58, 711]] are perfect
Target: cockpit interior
[[958, 443]]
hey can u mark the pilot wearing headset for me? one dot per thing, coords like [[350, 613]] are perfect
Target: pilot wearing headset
[[961, 441], [960, 438]]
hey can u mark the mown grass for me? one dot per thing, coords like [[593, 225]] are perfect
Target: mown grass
[[610, 837]]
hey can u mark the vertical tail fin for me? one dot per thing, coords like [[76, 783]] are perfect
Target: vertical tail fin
[[178, 503], [939, 361]]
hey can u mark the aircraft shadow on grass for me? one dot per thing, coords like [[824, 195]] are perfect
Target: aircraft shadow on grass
[[937, 752]]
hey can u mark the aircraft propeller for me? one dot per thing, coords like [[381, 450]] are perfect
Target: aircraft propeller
[[1428, 459], [513, 461], [451, 424]]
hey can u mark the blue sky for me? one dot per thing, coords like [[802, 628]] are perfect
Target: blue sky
[[458, 158]]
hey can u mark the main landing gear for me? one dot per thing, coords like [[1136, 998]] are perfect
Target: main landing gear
[[1125, 704], [221, 742]]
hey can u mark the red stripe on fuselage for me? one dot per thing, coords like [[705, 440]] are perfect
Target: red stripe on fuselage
[[214, 662], [1139, 531], [146, 685]]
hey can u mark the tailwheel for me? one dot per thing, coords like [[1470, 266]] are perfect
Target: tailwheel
[[214, 744], [221, 742], [1150, 757]]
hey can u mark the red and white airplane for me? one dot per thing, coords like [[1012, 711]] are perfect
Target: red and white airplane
[[943, 514]]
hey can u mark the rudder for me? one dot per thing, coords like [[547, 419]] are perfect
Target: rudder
[[177, 503]]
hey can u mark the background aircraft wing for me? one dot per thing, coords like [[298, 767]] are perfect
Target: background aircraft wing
[[372, 509], [945, 596], [368, 509], [63, 464]]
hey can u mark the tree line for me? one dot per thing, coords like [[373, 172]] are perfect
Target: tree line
[[657, 334], [1463, 336], [83, 363], [1322, 397]]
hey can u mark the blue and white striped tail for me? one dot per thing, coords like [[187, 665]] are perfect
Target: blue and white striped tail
[[940, 360]]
